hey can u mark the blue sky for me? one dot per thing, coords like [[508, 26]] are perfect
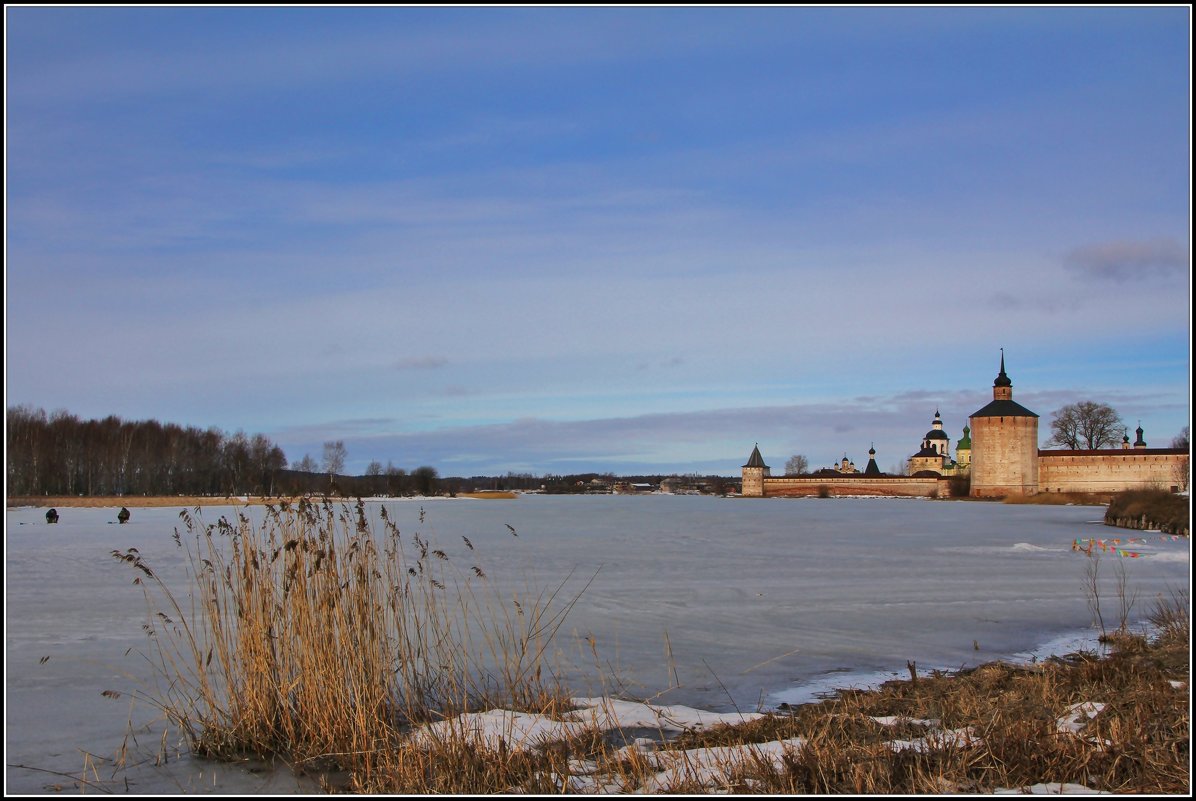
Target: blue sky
[[625, 239]]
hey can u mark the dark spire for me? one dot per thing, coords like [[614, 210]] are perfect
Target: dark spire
[[1139, 443], [1002, 379]]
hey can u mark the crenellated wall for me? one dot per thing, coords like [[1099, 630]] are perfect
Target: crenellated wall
[[1111, 470]]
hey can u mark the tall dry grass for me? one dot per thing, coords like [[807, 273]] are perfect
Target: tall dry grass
[[1005, 730], [313, 638]]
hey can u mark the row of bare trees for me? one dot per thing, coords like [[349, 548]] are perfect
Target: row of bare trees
[[59, 454]]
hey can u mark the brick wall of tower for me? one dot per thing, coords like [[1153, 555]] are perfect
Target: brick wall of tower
[[1004, 456], [753, 482]]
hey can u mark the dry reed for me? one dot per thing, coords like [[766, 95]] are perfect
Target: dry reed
[[311, 638]]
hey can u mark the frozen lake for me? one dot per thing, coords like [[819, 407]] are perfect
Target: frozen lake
[[757, 601]]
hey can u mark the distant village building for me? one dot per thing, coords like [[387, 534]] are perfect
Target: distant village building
[[678, 485], [998, 453]]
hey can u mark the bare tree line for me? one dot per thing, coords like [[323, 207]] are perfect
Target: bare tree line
[[59, 454]]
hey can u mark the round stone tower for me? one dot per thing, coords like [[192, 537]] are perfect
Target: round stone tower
[[754, 473], [1004, 444]]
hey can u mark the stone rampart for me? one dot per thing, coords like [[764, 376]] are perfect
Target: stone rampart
[[1112, 470], [847, 486]]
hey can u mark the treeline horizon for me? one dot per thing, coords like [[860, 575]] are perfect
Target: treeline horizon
[[61, 454]]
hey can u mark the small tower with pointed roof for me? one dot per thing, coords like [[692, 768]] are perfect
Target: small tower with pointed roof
[[1004, 444], [872, 469], [754, 473], [1139, 442]]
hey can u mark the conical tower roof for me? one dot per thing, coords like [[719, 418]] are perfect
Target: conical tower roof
[[756, 460]]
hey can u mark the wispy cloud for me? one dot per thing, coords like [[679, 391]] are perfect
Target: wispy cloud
[[1126, 261], [421, 363], [1027, 301]]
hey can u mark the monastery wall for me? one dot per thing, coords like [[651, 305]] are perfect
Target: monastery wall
[[894, 486], [1005, 461], [1111, 470]]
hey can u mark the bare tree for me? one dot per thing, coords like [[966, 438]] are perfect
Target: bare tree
[[1182, 441], [797, 465], [1181, 473], [306, 464], [1086, 425], [334, 457], [374, 468], [425, 479], [395, 478]]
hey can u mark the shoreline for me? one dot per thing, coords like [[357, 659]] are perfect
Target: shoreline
[[159, 501], [827, 685]]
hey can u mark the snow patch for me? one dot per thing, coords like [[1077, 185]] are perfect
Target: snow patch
[[1077, 717], [711, 767], [937, 740], [611, 713], [896, 720], [1052, 788]]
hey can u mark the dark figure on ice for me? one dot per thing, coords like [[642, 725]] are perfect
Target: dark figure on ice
[[52, 516], [123, 517]]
